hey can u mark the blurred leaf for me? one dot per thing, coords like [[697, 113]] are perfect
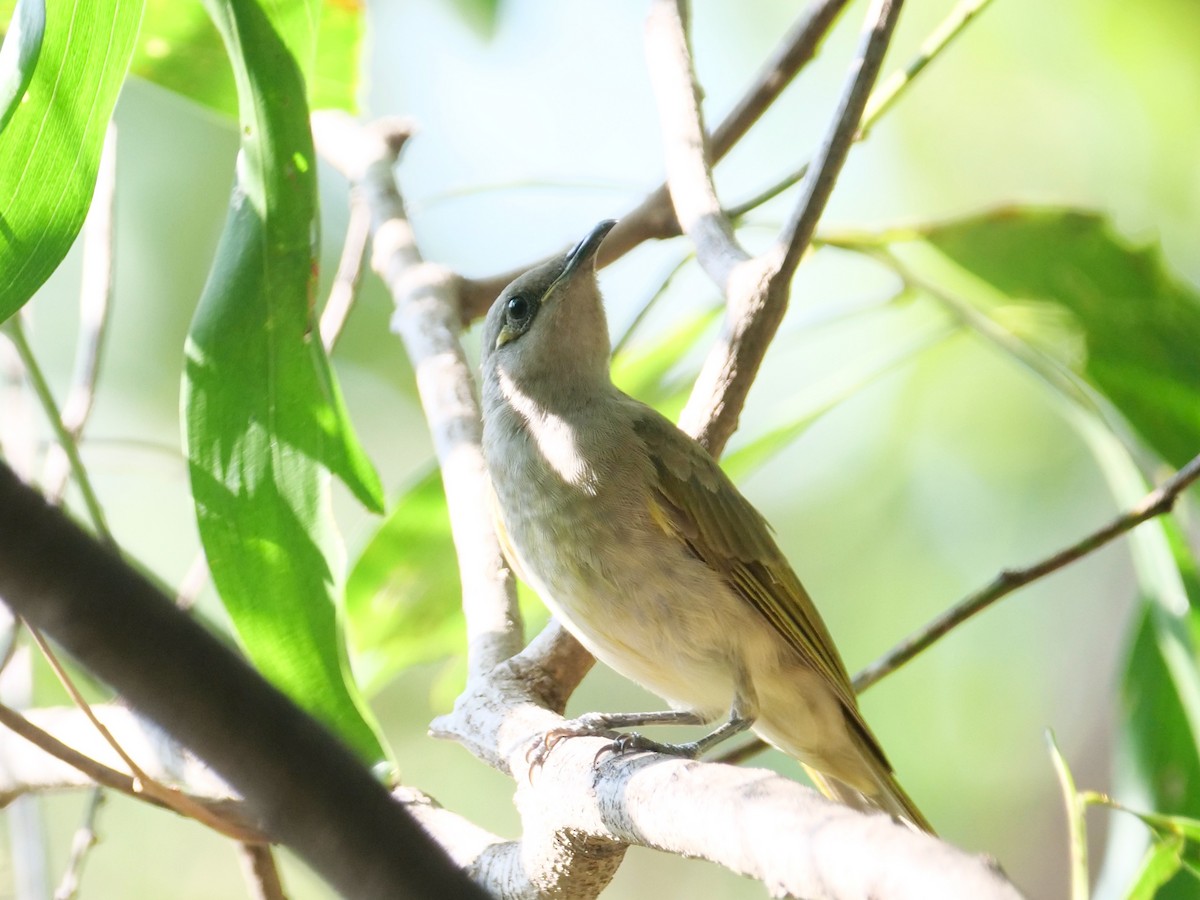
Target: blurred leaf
[[51, 141], [643, 370], [482, 15], [1139, 327], [337, 72], [1185, 826], [1161, 862], [266, 425], [758, 450], [180, 50], [1076, 821], [403, 599], [19, 55], [1112, 313], [1157, 759]]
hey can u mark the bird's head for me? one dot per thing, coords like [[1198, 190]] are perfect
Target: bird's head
[[546, 332]]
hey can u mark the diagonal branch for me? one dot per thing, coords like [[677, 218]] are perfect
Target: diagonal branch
[[1158, 502], [207, 813], [818, 185], [301, 783], [654, 218], [428, 320], [681, 120]]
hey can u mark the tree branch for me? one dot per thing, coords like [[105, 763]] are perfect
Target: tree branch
[[818, 185], [681, 120], [349, 271], [578, 815], [427, 319], [654, 218], [305, 788], [261, 872], [1156, 503], [81, 845]]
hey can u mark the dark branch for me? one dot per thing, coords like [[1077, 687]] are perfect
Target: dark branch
[[306, 788]]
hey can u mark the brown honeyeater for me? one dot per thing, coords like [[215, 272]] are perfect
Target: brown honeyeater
[[646, 551]]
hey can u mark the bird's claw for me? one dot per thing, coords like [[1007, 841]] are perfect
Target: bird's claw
[[544, 743], [632, 742], [594, 726]]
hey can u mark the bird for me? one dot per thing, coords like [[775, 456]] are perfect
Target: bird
[[641, 545]]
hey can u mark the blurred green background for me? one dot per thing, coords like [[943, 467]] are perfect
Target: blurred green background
[[917, 488]]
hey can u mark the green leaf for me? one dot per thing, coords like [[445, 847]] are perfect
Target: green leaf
[[1158, 750], [482, 15], [403, 600], [265, 422], [1159, 866], [1076, 821], [644, 368], [50, 142], [19, 55], [337, 73], [1106, 307], [181, 50]]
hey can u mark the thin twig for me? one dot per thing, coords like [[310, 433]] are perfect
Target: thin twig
[[794, 52], [194, 580], [757, 291], [881, 100], [41, 387], [95, 300], [261, 872], [11, 626], [654, 218], [428, 320], [81, 844], [84, 707], [827, 164], [216, 814], [344, 289], [644, 310], [681, 120], [301, 782], [142, 782], [1156, 503], [939, 39]]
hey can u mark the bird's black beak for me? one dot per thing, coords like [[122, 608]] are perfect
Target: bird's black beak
[[586, 249]]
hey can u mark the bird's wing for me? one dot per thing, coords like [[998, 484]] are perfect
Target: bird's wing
[[506, 545], [699, 503]]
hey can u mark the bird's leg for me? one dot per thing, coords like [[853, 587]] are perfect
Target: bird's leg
[[742, 714], [599, 724]]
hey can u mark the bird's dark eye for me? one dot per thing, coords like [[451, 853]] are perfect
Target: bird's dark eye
[[518, 308]]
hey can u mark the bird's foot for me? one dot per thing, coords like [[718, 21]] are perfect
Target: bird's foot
[[632, 742], [600, 725], [587, 725]]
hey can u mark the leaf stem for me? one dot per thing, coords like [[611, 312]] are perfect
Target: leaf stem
[[41, 387]]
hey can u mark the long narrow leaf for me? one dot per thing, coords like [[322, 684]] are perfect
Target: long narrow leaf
[[180, 50], [60, 89], [265, 422]]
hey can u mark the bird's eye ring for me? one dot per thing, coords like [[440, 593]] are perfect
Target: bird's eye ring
[[517, 308]]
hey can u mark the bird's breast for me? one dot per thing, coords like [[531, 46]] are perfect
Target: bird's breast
[[633, 594]]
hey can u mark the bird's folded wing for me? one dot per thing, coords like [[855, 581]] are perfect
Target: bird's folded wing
[[700, 504]]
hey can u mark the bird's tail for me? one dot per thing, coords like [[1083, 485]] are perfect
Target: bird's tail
[[888, 796]]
